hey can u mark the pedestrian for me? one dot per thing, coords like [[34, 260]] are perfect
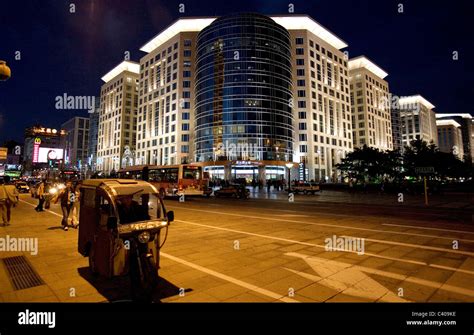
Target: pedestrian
[[75, 206], [12, 197], [65, 196], [269, 185], [40, 193], [3, 204]]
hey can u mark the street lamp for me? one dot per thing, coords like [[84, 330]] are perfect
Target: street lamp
[[289, 166], [5, 71]]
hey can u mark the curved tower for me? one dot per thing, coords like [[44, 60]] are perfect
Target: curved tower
[[243, 106]]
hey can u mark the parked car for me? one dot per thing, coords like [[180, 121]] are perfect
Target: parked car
[[305, 188], [22, 187], [233, 190]]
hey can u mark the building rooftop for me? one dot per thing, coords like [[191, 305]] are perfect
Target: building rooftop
[[450, 115], [447, 122], [364, 62], [289, 22], [124, 66], [412, 99], [305, 22]]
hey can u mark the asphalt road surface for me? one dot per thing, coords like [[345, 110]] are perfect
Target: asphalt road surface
[[271, 250]]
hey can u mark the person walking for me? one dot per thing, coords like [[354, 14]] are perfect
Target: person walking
[[12, 197], [65, 197], [3, 204], [40, 193], [75, 206]]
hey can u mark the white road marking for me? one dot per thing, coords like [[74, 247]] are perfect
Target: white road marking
[[330, 266], [418, 246], [329, 225], [324, 247], [429, 228], [229, 279], [345, 278]]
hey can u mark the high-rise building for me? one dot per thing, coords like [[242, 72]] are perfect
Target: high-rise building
[[466, 122], [269, 89], [93, 136], [418, 120], [371, 119], [117, 120], [323, 131], [75, 142], [244, 97], [165, 126], [450, 137]]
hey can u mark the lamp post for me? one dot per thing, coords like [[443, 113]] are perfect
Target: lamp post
[[289, 166]]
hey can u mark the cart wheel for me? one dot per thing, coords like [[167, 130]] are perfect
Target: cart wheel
[[143, 281]]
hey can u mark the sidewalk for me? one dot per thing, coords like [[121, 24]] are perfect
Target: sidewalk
[[57, 261]]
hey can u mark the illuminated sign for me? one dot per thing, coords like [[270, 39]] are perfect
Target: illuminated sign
[[36, 149], [46, 154], [251, 163]]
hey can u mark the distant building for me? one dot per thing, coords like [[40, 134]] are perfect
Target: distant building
[[418, 120], [93, 136], [371, 123], [450, 137], [466, 122], [118, 117], [76, 142]]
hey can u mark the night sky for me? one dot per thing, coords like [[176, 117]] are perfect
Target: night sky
[[68, 53]]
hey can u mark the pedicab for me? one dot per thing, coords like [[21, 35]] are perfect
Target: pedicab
[[120, 224]]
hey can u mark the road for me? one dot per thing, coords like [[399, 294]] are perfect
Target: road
[[260, 250]]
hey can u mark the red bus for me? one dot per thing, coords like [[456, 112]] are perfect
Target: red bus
[[172, 180]]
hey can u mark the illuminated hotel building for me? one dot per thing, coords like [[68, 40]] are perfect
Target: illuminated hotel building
[[450, 137], [371, 119], [418, 120], [166, 108], [244, 94], [117, 119], [466, 123], [323, 133]]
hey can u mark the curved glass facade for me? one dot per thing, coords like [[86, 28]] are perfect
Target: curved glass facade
[[244, 90]]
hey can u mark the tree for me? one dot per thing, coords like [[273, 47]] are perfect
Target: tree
[[445, 165], [369, 162]]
